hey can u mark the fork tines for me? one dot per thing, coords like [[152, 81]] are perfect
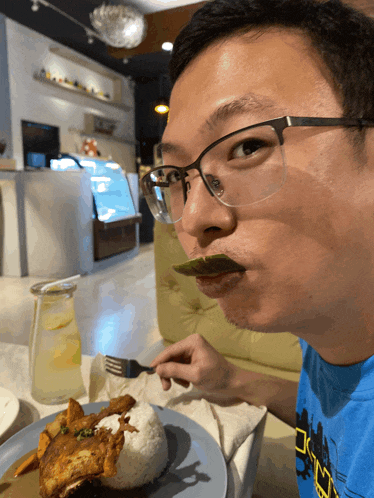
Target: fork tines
[[123, 367], [115, 366]]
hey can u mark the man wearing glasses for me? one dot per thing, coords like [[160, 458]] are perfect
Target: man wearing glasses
[[269, 159]]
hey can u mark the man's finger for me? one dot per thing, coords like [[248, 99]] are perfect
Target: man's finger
[[171, 352], [166, 384], [173, 370]]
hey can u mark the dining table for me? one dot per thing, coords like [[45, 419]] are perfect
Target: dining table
[[237, 428], [14, 376]]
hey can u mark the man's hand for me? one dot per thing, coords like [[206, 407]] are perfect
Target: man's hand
[[194, 360]]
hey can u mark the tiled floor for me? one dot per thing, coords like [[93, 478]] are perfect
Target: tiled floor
[[115, 308]]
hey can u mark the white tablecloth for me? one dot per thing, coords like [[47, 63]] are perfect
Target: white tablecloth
[[240, 443]]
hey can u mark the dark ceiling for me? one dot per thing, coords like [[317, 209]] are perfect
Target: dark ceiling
[[55, 26]]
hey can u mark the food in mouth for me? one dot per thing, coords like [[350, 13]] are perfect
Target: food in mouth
[[76, 448], [210, 266]]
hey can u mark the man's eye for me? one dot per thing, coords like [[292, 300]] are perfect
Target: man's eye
[[247, 148]]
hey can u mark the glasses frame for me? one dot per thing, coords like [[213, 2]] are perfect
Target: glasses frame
[[278, 124]]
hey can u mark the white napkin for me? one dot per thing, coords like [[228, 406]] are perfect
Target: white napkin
[[236, 426]]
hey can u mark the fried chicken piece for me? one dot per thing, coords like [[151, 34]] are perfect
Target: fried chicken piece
[[69, 460], [116, 405]]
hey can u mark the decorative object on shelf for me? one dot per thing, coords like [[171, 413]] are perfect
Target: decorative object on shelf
[[42, 75], [91, 92], [98, 124], [89, 147], [100, 136], [120, 26]]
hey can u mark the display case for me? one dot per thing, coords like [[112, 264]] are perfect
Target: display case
[[114, 211]]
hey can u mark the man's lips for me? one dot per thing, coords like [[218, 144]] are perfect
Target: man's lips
[[212, 266], [218, 286]]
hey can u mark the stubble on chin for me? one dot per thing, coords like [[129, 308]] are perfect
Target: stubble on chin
[[249, 317], [237, 317]]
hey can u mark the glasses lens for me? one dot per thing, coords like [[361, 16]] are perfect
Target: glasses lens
[[246, 167], [163, 190]]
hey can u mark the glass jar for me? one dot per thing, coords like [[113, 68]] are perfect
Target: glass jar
[[55, 346]]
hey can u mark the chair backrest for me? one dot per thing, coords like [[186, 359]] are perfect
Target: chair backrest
[[183, 310]]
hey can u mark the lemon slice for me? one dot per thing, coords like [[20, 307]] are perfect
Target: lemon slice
[[56, 321], [67, 356]]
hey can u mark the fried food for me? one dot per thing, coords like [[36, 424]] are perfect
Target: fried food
[[78, 453], [68, 462], [70, 451], [44, 440], [74, 411], [32, 463], [53, 428]]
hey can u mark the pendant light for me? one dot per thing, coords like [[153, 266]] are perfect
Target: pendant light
[[161, 105]]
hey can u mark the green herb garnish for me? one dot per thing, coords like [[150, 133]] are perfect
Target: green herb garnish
[[83, 434], [64, 429]]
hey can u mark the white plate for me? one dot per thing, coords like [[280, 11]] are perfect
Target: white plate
[[9, 408], [196, 467]]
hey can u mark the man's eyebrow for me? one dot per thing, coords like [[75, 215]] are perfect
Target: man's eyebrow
[[245, 104], [165, 147], [242, 105]]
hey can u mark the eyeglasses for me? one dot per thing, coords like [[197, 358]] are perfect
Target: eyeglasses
[[242, 168]]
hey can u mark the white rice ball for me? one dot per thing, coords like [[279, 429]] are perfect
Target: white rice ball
[[145, 453]]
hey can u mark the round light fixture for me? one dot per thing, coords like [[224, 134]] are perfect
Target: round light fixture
[[167, 46], [161, 106], [35, 5], [120, 26]]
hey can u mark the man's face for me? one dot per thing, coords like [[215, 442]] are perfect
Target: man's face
[[308, 248]]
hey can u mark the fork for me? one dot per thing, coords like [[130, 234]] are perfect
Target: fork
[[122, 367]]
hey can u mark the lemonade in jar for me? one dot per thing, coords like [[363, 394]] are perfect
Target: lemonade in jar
[[55, 346]]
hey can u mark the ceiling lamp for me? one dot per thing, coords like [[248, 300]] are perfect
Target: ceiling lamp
[[120, 26], [167, 46], [161, 106]]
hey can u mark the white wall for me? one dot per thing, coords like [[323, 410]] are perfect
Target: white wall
[[5, 127], [31, 100]]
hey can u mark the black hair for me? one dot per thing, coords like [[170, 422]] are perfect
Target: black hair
[[343, 37]]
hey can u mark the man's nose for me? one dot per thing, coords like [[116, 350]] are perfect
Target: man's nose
[[203, 212]]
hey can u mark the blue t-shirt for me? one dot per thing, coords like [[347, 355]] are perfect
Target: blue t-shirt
[[335, 428]]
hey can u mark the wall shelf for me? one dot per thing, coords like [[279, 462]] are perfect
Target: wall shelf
[[79, 59], [103, 136], [69, 88]]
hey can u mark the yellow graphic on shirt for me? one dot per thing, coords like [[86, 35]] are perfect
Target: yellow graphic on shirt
[[323, 482]]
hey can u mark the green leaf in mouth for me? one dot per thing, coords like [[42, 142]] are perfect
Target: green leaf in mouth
[[211, 265]]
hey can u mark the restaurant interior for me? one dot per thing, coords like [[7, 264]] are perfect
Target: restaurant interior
[[65, 88], [78, 127]]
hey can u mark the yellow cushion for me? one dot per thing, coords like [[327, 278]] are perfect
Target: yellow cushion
[[183, 310]]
